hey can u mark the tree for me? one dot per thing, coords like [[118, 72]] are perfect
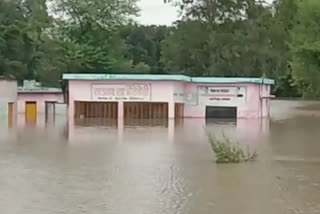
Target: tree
[[21, 27], [144, 45], [185, 51], [305, 48], [86, 38], [224, 38], [82, 36], [91, 31], [14, 43], [282, 24]]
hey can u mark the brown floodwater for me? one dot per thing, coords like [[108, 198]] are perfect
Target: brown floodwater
[[162, 167]]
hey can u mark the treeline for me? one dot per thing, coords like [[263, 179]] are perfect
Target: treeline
[[41, 39]]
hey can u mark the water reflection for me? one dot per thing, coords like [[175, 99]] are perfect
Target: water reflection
[[244, 130], [114, 130], [162, 130]]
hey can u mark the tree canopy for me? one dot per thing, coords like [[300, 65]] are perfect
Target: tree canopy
[[41, 39], [305, 48]]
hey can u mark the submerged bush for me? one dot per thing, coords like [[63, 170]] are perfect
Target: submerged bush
[[229, 152]]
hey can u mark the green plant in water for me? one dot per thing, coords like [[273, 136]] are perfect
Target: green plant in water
[[229, 152]]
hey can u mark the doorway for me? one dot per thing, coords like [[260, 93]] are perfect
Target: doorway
[[31, 112], [179, 110], [145, 110], [221, 112], [50, 112], [10, 114], [102, 110]]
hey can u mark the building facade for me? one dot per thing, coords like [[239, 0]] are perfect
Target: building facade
[[8, 101], [166, 96], [37, 103]]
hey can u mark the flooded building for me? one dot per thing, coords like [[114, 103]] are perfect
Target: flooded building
[[37, 102], [166, 96], [8, 101]]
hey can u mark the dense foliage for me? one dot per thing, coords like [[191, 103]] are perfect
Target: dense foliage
[[305, 48], [144, 46], [41, 39]]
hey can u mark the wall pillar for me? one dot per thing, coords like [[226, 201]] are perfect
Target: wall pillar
[[120, 129], [120, 121], [120, 109], [70, 130], [71, 107], [171, 112], [171, 130]]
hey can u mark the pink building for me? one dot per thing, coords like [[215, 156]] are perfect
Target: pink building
[[8, 101], [166, 96], [36, 104]]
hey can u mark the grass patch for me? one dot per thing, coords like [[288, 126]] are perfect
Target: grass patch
[[228, 152]]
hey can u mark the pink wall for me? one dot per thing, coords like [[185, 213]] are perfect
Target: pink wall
[[161, 91], [176, 92], [250, 109], [8, 89], [265, 93], [8, 94], [40, 98]]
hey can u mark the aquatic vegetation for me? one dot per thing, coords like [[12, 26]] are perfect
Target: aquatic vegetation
[[227, 151]]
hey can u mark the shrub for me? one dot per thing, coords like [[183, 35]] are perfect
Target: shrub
[[229, 152]]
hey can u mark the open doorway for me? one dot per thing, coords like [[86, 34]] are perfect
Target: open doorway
[[101, 110], [10, 114], [221, 112], [50, 111]]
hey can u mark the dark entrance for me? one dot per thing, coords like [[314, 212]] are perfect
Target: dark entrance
[[179, 110], [105, 110], [221, 112], [50, 111], [145, 110]]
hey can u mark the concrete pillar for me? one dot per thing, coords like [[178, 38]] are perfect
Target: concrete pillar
[[120, 129], [171, 111], [70, 130], [171, 130], [71, 108], [120, 109]]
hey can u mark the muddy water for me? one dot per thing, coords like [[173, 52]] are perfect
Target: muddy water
[[158, 167]]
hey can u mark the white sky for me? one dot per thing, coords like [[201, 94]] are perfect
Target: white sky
[[156, 12]]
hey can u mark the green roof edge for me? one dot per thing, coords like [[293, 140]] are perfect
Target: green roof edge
[[233, 80], [162, 77]]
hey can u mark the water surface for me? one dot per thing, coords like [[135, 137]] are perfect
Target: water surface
[[162, 167]]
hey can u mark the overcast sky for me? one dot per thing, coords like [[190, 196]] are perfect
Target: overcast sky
[[156, 12]]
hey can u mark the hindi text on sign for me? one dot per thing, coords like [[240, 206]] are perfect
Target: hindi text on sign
[[125, 92]]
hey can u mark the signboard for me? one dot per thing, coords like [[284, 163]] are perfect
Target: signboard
[[124, 92], [222, 96]]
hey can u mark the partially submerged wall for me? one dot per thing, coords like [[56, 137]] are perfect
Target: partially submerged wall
[[8, 95]]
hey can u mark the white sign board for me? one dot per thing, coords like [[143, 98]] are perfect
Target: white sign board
[[222, 96], [125, 92]]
